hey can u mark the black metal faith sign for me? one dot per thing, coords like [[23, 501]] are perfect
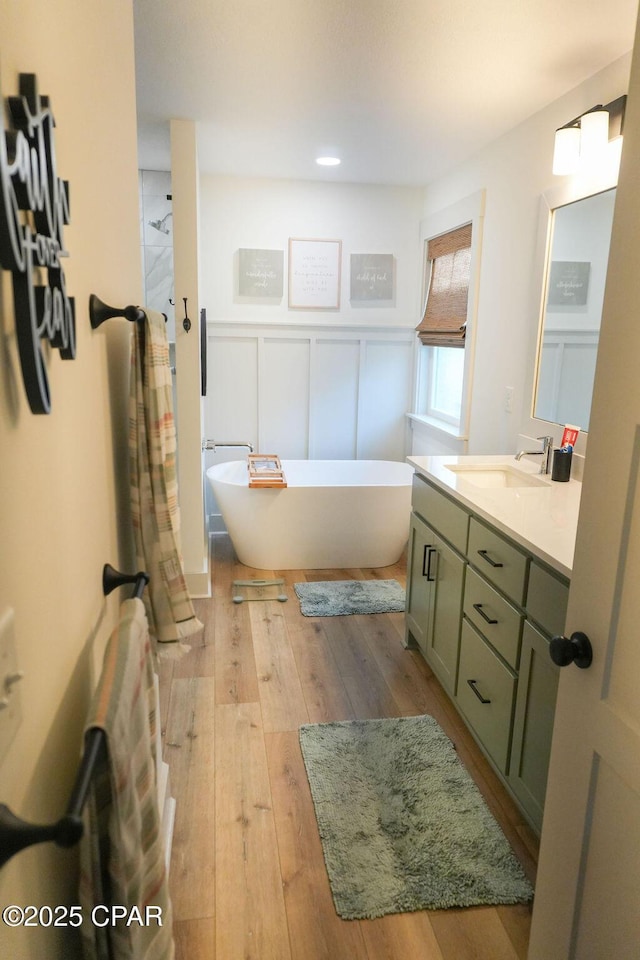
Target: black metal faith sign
[[34, 207]]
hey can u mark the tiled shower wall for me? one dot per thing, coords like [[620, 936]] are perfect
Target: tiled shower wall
[[157, 245]]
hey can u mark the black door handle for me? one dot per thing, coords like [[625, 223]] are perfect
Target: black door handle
[[575, 649], [429, 552]]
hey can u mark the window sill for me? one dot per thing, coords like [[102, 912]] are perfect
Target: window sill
[[440, 426]]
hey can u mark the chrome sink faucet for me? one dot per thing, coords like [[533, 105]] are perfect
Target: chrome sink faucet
[[545, 453]]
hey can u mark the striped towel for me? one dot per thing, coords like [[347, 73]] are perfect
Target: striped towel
[[122, 856], [154, 487]]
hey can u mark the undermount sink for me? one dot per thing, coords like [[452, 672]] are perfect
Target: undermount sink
[[495, 475]]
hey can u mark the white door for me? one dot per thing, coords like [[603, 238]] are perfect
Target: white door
[[587, 903]]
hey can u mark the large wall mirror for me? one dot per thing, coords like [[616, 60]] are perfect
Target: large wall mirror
[[573, 293]]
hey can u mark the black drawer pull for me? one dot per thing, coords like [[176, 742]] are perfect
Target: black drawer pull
[[477, 692], [478, 608], [426, 562], [485, 556]]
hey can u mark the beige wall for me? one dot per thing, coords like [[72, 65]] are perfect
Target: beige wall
[[63, 476]]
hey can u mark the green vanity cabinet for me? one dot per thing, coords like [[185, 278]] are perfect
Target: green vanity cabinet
[[434, 600], [482, 610], [485, 697], [418, 602], [491, 636], [493, 616], [441, 512], [497, 560], [533, 724], [435, 581], [546, 606]]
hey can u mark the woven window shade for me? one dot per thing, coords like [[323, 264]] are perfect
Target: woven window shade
[[445, 315]]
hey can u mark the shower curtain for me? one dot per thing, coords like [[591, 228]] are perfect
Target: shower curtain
[[154, 487]]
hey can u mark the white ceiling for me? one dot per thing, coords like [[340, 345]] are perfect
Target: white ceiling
[[401, 90]]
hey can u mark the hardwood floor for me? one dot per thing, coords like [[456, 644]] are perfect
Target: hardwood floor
[[248, 880]]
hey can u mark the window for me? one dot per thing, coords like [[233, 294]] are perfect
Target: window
[[445, 378], [451, 264], [445, 316]]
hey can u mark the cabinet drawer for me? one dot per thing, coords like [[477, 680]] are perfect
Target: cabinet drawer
[[494, 617], [483, 677], [441, 513], [547, 598], [500, 561]]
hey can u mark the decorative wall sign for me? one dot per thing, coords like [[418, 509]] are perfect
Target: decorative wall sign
[[568, 283], [372, 276], [260, 273], [34, 206], [314, 274]]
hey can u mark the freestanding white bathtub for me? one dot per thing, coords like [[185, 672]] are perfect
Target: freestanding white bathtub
[[333, 513]]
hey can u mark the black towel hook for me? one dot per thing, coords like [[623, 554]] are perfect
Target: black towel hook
[[186, 323]]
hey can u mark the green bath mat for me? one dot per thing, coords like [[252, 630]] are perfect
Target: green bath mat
[[402, 823], [336, 598]]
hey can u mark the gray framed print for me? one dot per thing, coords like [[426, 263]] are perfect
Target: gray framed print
[[372, 276], [260, 273], [568, 283]]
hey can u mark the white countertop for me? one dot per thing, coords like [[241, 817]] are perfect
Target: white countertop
[[543, 518]]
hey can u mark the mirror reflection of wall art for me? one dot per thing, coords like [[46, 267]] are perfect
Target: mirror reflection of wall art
[[260, 273], [568, 283], [581, 234], [314, 274], [371, 276]]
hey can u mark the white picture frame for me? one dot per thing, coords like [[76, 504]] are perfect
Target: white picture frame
[[315, 268]]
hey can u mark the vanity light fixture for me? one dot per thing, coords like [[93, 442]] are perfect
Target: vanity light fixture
[[566, 151], [328, 161], [585, 141]]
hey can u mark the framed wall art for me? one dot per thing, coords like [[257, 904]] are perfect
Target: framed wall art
[[371, 276], [314, 274], [260, 273], [568, 283]]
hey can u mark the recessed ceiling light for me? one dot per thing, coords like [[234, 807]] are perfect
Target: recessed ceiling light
[[328, 161]]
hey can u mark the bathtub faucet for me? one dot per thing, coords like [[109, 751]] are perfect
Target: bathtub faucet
[[214, 444]]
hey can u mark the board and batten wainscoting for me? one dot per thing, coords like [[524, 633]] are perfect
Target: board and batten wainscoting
[[317, 391]]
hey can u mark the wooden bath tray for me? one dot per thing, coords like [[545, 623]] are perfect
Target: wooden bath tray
[[265, 470]]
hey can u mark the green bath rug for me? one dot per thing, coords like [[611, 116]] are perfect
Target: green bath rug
[[402, 823], [337, 598]]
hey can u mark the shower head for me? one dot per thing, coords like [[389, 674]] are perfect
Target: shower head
[[161, 225]]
